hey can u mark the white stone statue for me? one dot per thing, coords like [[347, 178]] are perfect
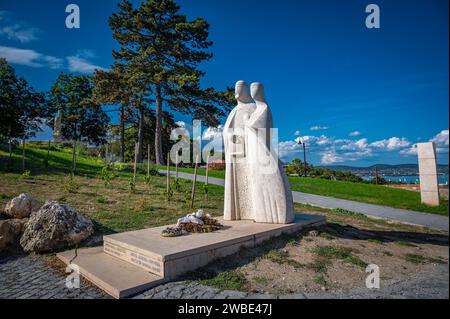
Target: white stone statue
[[256, 187]]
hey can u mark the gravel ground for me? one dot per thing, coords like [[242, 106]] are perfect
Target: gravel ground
[[25, 277]]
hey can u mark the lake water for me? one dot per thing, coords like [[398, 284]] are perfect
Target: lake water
[[412, 179]]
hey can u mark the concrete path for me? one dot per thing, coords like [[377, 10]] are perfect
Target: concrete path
[[377, 211]]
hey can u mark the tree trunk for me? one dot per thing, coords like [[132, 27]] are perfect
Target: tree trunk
[[135, 162], [48, 153], [158, 129], [148, 160], [140, 134], [23, 155], [74, 156], [10, 150], [122, 134]]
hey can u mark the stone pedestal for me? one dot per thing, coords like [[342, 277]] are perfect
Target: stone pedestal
[[131, 262], [429, 186]]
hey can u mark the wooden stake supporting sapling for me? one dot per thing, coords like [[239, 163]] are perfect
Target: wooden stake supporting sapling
[[23, 156], [168, 190], [135, 162], [148, 161], [206, 177], [176, 166], [48, 154], [193, 183], [74, 157]]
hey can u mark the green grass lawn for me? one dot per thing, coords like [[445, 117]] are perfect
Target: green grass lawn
[[200, 171], [361, 192], [60, 163], [367, 193], [112, 208]]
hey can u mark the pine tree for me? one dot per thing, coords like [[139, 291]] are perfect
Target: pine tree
[[162, 51], [22, 108], [83, 119], [111, 88]]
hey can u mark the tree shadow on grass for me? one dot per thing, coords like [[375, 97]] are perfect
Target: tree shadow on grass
[[385, 236], [34, 161]]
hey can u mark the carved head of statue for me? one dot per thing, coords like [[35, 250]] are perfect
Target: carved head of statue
[[241, 92], [257, 92]]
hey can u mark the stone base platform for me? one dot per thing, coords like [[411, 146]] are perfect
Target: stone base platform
[[134, 261]]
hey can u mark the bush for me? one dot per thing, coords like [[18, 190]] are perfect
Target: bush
[[297, 167], [106, 175], [70, 185]]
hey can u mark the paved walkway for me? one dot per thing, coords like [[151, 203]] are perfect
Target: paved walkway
[[377, 211], [29, 277]]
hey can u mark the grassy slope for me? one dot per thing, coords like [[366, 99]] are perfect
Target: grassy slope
[[367, 193], [59, 162], [113, 208]]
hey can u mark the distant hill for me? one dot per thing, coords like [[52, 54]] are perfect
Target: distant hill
[[387, 169]]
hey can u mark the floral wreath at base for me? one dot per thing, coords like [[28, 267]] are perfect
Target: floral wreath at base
[[197, 222]]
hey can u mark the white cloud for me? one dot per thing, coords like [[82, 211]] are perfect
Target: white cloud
[[30, 58], [391, 144], [85, 53], [288, 148], [14, 30], [313, 141], [409, 151], [297, 133], [441, 141], [213, 133], [354, 133], [81, 65], [331, 157], [358, 145], [318, 128], [20, 33], [332, 150]]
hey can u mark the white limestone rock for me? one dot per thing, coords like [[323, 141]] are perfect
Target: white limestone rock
[[22, 206], [10, 232], [54, 227]]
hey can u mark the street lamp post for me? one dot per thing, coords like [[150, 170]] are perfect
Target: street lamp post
[[301, 142]]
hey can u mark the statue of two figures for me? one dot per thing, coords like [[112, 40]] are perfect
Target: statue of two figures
[[256, 187]]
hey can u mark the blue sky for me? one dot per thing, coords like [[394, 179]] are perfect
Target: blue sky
[[358, 96]]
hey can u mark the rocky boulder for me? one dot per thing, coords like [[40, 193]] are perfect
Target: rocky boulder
[[10, 232], [53, 227], [22, 206]]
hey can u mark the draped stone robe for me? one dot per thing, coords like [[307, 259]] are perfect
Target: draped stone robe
[[238, 199], [256, 187], [271, 192]]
